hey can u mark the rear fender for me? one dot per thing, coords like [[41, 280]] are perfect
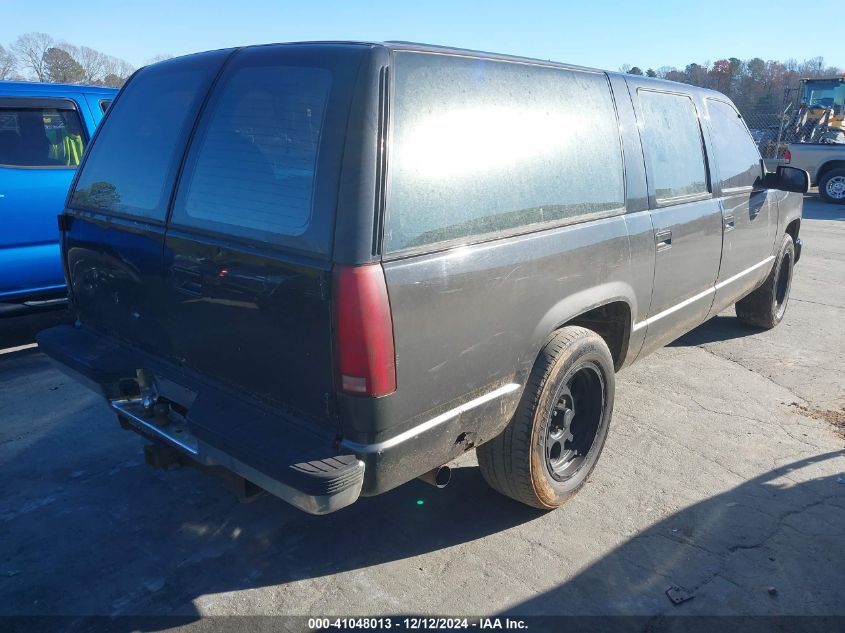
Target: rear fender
[[571, 307]]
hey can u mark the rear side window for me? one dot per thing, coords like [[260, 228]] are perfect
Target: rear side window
[[104, 105], [40, 137], [737, 157], [672, 138], [481, 146], [131, 166]]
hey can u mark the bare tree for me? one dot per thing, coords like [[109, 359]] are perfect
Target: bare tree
[[30, 49], [159, 58], [8, 63], [116, 71], [93, 64]]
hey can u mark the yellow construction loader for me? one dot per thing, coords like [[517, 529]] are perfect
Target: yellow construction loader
[[820, 115]]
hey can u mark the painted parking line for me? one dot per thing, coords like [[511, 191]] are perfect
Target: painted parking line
[[11, 350]]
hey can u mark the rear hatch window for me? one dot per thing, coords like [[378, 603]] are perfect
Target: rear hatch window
[[131, 167], [264, 162], [252, 168]]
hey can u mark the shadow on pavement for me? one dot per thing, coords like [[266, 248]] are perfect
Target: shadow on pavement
[[97, 532], [769, 547], [720, 328], [21, 330]]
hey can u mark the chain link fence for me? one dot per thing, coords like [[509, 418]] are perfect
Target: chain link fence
[[774, 129], [768, 128]]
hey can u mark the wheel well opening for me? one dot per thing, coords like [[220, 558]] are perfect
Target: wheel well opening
[[793, 228], [612, 322], [833, 164]]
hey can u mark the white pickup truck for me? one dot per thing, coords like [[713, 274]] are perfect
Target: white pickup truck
[[825, 162]]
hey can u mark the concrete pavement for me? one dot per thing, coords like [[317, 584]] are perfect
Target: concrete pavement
[[724, 473]]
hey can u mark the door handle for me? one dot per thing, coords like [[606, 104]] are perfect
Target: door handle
[[187, 281], [663, 239], [729, 223]]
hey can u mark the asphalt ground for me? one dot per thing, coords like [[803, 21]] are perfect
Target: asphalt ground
[[723, 474]]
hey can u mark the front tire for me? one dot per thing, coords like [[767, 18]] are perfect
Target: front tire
[[832, 186], [765, 307], [554, 439]]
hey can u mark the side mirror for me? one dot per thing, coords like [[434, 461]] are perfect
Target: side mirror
[[789, 179]]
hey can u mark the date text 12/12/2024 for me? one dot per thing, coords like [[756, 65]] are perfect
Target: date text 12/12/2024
[[414, 623]]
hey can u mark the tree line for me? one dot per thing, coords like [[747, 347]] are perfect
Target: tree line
[[39, 57], [753, 84]]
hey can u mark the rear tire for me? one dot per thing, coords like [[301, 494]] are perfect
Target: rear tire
[[832, 186], [765, 307], [554, 439]]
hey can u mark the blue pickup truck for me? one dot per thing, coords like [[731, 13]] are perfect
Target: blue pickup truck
[[44, 129]]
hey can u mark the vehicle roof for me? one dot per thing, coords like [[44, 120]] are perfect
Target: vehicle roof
[[451, 50], [448, 50], [46, 89]]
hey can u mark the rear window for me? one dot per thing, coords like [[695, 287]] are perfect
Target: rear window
[[482, 146], [254, 161], [264, 162], [41, 137], [131, 166]]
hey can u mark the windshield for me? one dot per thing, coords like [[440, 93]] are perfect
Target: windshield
[[824, 94]]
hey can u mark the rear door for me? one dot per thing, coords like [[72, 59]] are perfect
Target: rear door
[[749, 210], [41, 144], [248, 248], [113, 248], [686, 217]]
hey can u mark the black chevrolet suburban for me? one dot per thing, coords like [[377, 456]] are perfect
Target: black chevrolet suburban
[[330, 268]]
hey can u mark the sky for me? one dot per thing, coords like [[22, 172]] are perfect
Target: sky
[[604, 34]]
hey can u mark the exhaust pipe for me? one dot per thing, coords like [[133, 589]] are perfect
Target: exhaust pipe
[[438, 477]]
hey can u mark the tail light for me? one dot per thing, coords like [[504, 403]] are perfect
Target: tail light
[[366, 359], [787, 155]]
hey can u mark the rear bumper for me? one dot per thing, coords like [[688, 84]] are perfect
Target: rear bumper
[[209, 423]]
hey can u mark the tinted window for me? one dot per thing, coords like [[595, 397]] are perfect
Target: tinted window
[[672, 138], [40, 137], [482, 146], [130, 169], [253, 163], [104, 105], [737, 158]]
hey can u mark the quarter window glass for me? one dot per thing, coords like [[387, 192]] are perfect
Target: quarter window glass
[[40, 137], [737, 158], [482, 146], [253, 163], [130, 169], [104, 105], [672, 139]]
